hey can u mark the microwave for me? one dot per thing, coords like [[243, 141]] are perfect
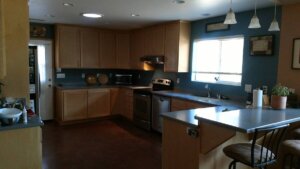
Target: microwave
[[123, 79]]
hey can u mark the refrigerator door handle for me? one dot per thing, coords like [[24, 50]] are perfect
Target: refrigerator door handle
[[39, 85]]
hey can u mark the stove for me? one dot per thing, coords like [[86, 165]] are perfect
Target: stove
[[142, 102]]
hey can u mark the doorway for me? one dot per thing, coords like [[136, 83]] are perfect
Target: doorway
[[44, 78]]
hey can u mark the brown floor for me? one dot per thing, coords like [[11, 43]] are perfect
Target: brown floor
[[108, 144]]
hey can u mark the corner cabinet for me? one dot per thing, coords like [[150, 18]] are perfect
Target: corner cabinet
[[123, 50], [2, 44], [67, 46], [177, 44], [107, 49], [137, 49]]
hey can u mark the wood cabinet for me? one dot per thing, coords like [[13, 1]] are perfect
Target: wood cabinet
[[2, 44], [80, 104], [107, 49], [155, 40], [137, 49], [67, 42], [125, 101], [123, 50], [89, 43], [21, 148], [115, 102], [74, 105], [98, 103], [177, 44], [180, 104]]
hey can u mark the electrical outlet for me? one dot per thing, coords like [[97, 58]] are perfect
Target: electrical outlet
[[60, 75], [139, 76], [178, 80], [248, 88], [98, 74], [58, 70], [83, 75]]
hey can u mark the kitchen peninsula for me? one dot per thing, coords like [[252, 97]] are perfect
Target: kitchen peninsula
[[195, 138]]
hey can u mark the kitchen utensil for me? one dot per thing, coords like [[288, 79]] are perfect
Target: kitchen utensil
[[10, 116], [103, 79]]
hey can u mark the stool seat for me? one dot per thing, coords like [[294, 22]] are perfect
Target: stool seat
[[296, 133], [242, 153], [292, 147]]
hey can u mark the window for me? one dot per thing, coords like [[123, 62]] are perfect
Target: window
[[218, 60]]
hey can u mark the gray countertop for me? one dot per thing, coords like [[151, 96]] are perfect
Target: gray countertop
[[34, 121], [246, 120], [212, 101], [71, 87]]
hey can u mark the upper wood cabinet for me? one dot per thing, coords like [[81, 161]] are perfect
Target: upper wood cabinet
[[137, 50], [155, 40], [107, 49], [89, 43], [177, 44], [122, 50], [2, 44], [98, 102], [67, 41]]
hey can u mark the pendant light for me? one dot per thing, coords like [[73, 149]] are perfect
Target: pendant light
[[230, 17], [254, 23], [274, 24]]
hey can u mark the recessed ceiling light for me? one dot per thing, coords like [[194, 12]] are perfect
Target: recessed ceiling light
[[134, 15], [178, 1], [68, 4], [92, 15]]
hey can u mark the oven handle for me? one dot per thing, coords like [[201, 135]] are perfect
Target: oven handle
[[143, 95]]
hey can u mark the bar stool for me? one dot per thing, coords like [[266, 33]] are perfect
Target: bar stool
[[292, 149], [296, 133], [258, 155]]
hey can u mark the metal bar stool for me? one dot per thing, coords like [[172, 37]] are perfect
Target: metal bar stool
[[258, 155], [292, 149]]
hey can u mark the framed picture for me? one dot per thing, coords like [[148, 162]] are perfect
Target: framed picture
[[261, 45], [296, 54], [217, 26]]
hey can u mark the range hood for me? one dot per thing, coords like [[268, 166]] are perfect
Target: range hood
[[151, 59]]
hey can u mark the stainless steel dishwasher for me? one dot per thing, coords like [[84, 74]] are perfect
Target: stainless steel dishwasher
[[160, 104]]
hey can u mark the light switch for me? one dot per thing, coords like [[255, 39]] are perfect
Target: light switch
[[82, 75], [60, 75]]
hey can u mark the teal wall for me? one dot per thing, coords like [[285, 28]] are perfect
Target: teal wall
[[257, 70]]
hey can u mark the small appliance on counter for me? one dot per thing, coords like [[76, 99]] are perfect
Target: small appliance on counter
[[123, 79], [144, 114]]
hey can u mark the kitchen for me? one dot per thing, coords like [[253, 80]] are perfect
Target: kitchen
[[252, 68]]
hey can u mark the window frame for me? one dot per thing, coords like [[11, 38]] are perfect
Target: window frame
[[231, 83]]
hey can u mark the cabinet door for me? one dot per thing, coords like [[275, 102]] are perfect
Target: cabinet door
[[122, 50], [67, 47], [115, 101], [136, 49], [126, 103], [172, 47], [2, 44], [155, 40], [98, 102], [107, 49], [75, 105], [177, 44], [89, 41]]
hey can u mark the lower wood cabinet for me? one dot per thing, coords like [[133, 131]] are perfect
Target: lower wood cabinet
[[80, 104], [98, 102]]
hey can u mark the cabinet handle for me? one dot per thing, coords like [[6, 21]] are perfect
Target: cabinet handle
[[192, 132]]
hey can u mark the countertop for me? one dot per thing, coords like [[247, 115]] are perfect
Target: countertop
[[80, 86], [212, 101], [34, 121], [246, 120]]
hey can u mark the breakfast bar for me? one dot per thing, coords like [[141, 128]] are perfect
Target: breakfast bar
[[195, 138]]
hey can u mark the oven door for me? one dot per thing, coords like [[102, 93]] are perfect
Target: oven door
[[142, 110]]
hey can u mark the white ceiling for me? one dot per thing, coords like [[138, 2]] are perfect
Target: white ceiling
[[117, 13]]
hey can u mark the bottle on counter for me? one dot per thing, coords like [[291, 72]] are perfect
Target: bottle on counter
[[24, 113]]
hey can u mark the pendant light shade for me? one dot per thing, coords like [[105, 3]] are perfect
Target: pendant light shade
[[274, 24], [254, 23], [230, 17]]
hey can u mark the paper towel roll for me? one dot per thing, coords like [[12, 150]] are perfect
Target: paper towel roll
[[257, 98]]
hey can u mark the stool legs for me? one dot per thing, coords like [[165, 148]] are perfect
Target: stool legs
[[232, 164]]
